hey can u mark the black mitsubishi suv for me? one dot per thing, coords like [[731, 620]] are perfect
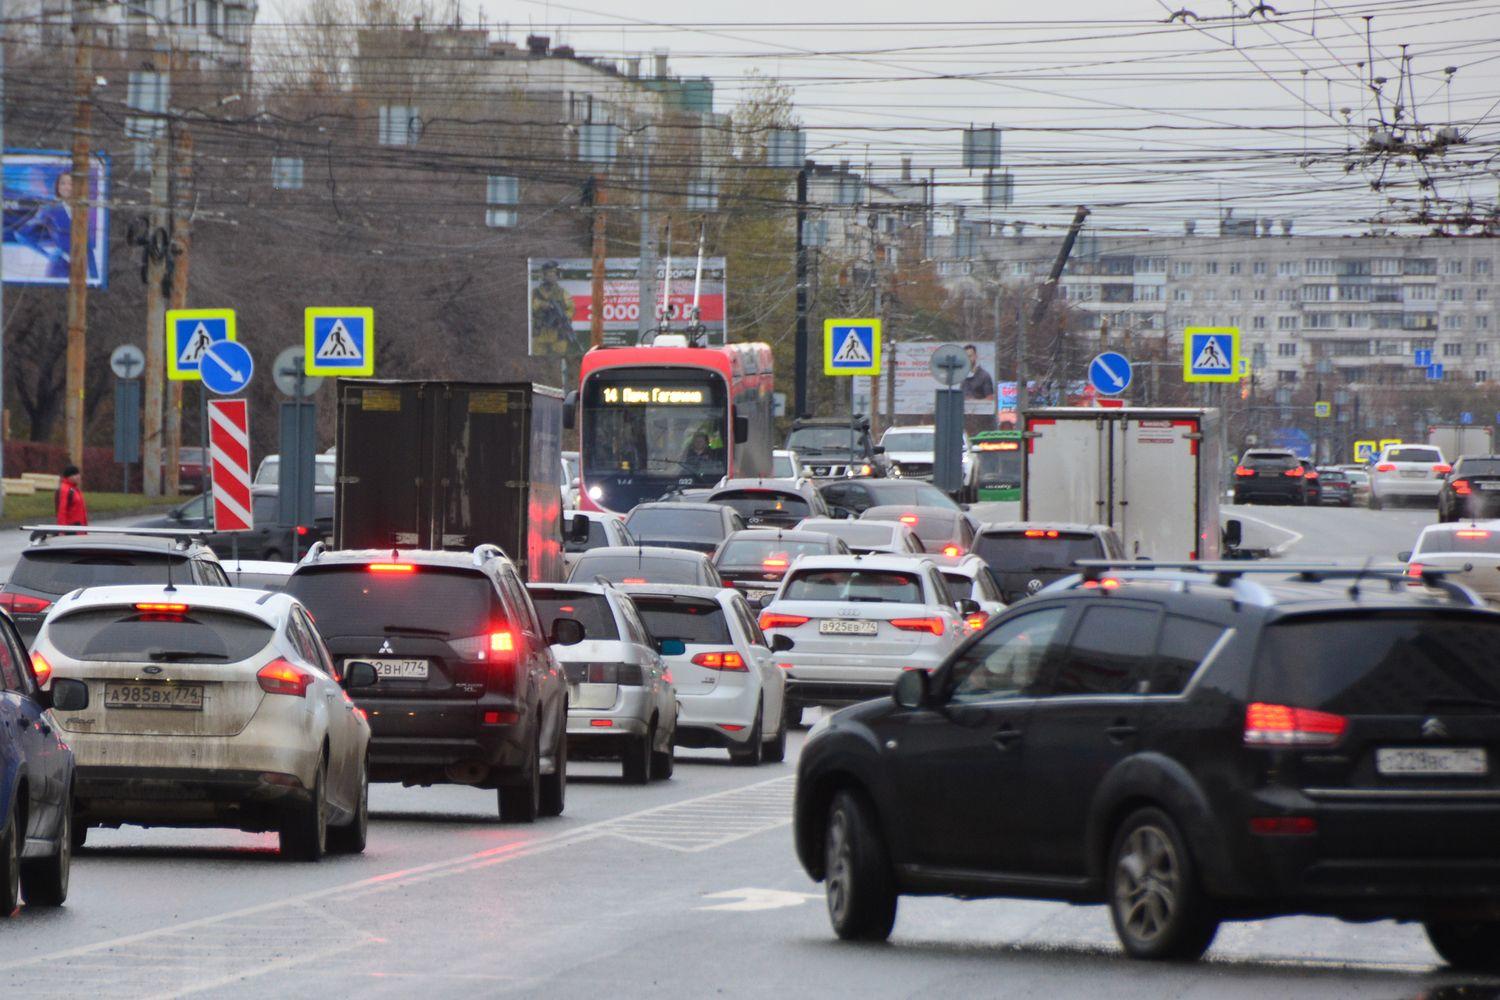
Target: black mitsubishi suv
[[836, 448], [469, 692], [1185, 746]]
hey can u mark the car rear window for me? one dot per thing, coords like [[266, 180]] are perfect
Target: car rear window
[[356, 600], [642, 568], [1028, 552], [688, 619], [123, 633], [857, 535], [764, 503], [590, 610], [755, 552], [1414, 455], [1478, 467], [1269, 459], [1380, 663], [1329, 476], [912, 494], [1458, 540], [933, 527], [959, 585], [857, 586], [62, 571], [259, 581], [597, 539], [667, 522]]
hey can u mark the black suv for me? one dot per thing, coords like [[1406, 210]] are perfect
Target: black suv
[[1270, 475], [469, 692], [60, 560], [836, 448], [1185, 746], [1472, 489]]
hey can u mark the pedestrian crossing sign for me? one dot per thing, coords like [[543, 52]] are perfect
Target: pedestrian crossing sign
[[851, 347], [190, 333], [1211, 354], [340, 340]]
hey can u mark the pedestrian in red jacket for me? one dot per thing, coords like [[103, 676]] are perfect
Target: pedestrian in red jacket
[[70, 505]]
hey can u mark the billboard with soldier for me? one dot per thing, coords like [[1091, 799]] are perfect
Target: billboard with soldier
[[561, 302]]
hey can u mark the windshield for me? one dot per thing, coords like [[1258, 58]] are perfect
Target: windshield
[[672, 522], [60, 572], [127, 634], [355, 600], [818, 440], [1440, 540], [856, 586], [782, 467], [1478, 467], [1024, 552], [999, 463], [908, 441], [269, 473], [773, 553], [753, 505], [636, 567], [590, 610], [1414, 455], [651, 430]]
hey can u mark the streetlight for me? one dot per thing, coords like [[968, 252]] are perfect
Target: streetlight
[[786, 148]]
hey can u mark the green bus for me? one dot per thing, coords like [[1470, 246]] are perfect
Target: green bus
[[998, 455]]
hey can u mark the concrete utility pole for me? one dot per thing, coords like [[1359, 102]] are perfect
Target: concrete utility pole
[[1048, 291], [596, 299], [80, 206], [156, 320], [646, 273], [182, 168]]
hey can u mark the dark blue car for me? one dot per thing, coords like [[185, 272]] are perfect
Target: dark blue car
[[36, 779]]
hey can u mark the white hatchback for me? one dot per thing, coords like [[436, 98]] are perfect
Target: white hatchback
[[969, 576], [856, 622], [730, 693], [1468, 552], [209, 706], [1407, 472]]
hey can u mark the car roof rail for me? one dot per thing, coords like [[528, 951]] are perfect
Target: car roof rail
[[485, 551], [1231, 574], [183, 536]]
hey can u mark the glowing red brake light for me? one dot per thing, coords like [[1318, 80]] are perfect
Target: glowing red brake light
[[977, 619], [24, 604], [41, 668], [1312, 473], [773, 619], [932, 625], [1243, 472], [1286, 726], [302, 531], [720, 661], [634, 579], [1442, 468], [1296, 472], [1414, 570], [775, 562], [1108, 583], [1461, 487], [502, 642], [1386, 467], [392, 568], [908, 519], [952, 550], [162, 608], [282, 677], [1472, 533], [1039, 533]]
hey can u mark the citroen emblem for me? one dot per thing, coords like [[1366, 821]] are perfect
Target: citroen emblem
[[385, 647], [1434, 729]]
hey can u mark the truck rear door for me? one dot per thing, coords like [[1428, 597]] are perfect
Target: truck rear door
[[1156, 488], [1067, 470]]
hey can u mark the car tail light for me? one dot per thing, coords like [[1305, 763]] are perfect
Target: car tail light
[[977, 619], [952, 550], [41, 668], [493, 645], [601, 723], [774, 619], [930, 625], [162, 608], [908, 519], [1283, 826], [282, 677], [1243, 473], [1472, 533], [24, 604], [1414, 570], [1311, 473], [1442, 468], [728, 660], [1108, 583], [392, 568], [634, 579], [1285, 726], [1386, 467], [775, 562], [1461, 487], [1296, 473], [500, 718], [302, 530], [1039, 533]]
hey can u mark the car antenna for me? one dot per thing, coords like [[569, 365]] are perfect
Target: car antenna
[[1354, 587], [170, 588]]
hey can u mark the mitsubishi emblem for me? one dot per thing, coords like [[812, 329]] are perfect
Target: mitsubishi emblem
[[1434, 729], [385, 647]]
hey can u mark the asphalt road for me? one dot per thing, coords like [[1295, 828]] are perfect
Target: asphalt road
[[681, 888]]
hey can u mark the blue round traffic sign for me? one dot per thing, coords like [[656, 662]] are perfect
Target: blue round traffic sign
[[226, 367], [1110, 373]]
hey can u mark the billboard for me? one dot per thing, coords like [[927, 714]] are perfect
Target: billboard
[[561, 300], [37, 228], [914, 384]]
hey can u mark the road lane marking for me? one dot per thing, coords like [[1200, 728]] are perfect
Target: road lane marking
[[1296, 536], [751, 899]]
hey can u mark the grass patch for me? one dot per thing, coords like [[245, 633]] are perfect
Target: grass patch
[[41, 507]]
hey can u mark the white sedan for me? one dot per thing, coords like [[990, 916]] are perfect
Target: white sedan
[[209, 706], [1468, 552], [856, 622]]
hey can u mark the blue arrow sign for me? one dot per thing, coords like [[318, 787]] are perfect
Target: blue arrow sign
[[1423, 358], [1110, 373], [226, 367]]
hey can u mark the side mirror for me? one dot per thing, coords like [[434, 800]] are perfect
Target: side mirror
[[175, 514], [911, 690], [879, 449], [741, 429], [782, 643], [835, 511], [566, 632], [1404, 556], [570, 408], [67, 695], [578, 528], [1234, 532], [360, 675], [967, 606], [671, 647]]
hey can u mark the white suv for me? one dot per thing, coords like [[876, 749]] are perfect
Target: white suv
[[1407, 472]]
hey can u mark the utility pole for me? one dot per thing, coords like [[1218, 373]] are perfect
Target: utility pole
[[799, 351], [596, 300], [646, 274], [157, 249], [181, 242], [1048, 291], [80, 207]]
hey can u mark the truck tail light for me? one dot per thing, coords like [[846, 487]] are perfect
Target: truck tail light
[[1285, 726], [24, 604], [1386, 467], [773, 619], [727, 660], [934, 626], [41, 668], [282, 677], [1242, 472]]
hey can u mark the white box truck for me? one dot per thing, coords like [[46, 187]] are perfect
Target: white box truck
[[1454, 440], [1152, 474]]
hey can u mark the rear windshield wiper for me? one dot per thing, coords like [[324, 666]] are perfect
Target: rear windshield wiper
[[1463, 702], [175, 655], [415, 630]]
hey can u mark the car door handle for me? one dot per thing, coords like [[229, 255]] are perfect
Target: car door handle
[[1120, 731], [1003, 738]]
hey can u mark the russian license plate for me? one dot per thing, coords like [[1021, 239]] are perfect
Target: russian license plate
[[847, 626], [1425, 760], [1487, 487], [1413, 473], [399, 670], [180, 697]]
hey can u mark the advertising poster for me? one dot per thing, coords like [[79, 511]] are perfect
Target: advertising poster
[[915, 385], [38, 223], [561, 297]]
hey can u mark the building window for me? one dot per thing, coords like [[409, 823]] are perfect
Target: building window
[[1258, 322], [1320, 265], [1453, 350], [1287, 269], [1481, 322], [1260, 294], [1181, 295], [400, 125], [1259, 267], [1317, 293], [1453, 266], [1211, 267], [1287, 377], [1421, 293], [143, 151], [1234, 295], [1481, 375], [1286, 350], [1286, 322], [1385, 265], [1481, 267], [286, 173], [1453, 322], [501, 196], [1453, 295], [1419, 265], [1318, 321], [1481, 350], [1148, 293], [1286, 295], [1182, 268]]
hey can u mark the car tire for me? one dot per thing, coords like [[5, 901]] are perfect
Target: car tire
[[523, 803], [1156, 902], [775, 751], [858, 885], [752, 753], [10, 867], [45, 880], [664, 762], [350, 838], [555, 785], [78, 833], [1469, 945], [304, 829], [635, 763]]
